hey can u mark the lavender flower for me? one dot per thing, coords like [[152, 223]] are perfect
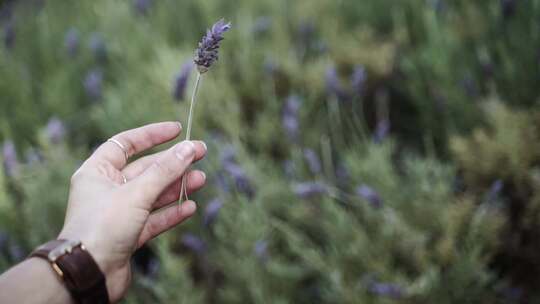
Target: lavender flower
[[211, 211], [221, 181], [9, 35], [98, 47], [358, 80], [289, 118], [207, 52], [205, 55], [342, 174], [240, 178], [71, 42], [181, 81], [93, 83], [142, 6], [193, 243], [333, 84], [389, 290], [55, 130], [494, 191], [261, 250], [228, 155], [11, 161], [381, 130], [370, 195], [307, 190], [314, 163], [508, 8], [437, 5]]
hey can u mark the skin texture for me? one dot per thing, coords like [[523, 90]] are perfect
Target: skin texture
[[113, 219]]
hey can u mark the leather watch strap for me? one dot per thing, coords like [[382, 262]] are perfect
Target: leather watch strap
[[75, 265]]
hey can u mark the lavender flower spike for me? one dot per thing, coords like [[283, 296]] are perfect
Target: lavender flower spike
[[205, 55], [181, 81], [207, 52]]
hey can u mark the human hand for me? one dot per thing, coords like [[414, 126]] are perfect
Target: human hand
[[113, 218]]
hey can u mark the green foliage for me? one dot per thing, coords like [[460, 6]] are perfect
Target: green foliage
[[440, 231]]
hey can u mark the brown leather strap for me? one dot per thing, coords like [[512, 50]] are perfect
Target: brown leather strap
[[81, 274]]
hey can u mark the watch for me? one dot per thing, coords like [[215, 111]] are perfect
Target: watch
[[76, 267]]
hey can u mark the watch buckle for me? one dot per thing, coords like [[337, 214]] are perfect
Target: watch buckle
[[64, 248]]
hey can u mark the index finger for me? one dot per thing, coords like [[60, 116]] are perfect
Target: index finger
[[135, 141]]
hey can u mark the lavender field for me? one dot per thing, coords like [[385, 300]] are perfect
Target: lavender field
[[373, 151]]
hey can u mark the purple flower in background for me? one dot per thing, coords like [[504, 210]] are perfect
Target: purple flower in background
[[381, 130], [358, 80], [55, 130], [207, 52], [228, 155], [193, 243], [508, 8], [370, 195], [71, 42], [181, 81], [211, 211], [333, 84], [221, 181], [389, 290], [240, 178], [16, 252], [342, 174], [313, 161], [289, 117], [98, 47], [9, 35], [494, 191], [308, 190], [142, 6], [306, 34], [261, 250], [93, 83], [437, 5], [11, 161]]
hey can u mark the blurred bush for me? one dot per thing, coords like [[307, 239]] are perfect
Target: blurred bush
[[359, 151]]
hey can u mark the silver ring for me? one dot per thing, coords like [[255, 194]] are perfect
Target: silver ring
[[119, 144], [124, 179]]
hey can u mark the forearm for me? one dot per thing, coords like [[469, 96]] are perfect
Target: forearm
[[33, 281]]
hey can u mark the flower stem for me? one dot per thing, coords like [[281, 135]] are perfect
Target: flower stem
[[183, 190]]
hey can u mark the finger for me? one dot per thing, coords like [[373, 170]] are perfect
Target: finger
[[166, 219], [146, 188], [135, 141], [195, 181], [137, 167]]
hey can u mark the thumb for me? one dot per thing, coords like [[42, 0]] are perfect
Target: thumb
[[166, 169]]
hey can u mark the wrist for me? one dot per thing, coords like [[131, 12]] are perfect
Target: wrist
[[76, 268]]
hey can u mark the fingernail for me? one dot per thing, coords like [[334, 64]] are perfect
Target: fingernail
[[185, 149], [179, 125], [203, 175], [204, 145]]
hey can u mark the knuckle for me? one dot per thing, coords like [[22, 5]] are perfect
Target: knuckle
[[128, 144], [163, 169]]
